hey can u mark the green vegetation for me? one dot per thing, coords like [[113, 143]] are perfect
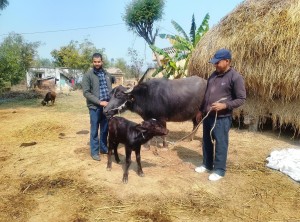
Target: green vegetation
[[140, 16], [16, 56], [184, 46], [77, 55], [3, 4]]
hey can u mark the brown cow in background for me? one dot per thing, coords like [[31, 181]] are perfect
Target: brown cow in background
[[50, 96]]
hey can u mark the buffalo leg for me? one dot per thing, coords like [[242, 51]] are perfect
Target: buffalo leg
[[127, 164], [138, 160], [165, 143], [195, 124]]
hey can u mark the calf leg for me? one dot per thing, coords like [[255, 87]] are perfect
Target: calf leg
[[116, 154], [112, 146], [127, 164], [138, 160]]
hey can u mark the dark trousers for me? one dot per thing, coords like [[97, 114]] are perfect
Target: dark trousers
[[215, 159], [97, 118]]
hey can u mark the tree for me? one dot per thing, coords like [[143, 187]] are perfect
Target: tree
[[16, 57], [184, 46], [43, 63], [3, 4], [76, 55], [136, 64], [140, 16], [122, 64]]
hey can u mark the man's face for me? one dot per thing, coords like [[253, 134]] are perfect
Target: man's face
[[222, 65], [97, 63]]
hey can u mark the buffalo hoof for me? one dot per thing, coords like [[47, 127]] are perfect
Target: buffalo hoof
[[125, 179], [141, 174], [108, 167], [165, 144], [118, 160]]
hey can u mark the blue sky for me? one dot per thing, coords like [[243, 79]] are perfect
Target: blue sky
[[110, 32]]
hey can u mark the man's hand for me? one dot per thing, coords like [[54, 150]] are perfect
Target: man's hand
[[103, 103], [218, 106], [199, 117]]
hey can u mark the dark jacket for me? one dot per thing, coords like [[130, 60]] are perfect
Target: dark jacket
[[91, 90], [229, 85]]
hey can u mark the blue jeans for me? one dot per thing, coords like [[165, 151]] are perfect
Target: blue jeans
[[216, 159], [98, 118]]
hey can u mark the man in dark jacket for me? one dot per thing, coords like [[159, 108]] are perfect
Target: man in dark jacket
[[225, 91], [96, 85]]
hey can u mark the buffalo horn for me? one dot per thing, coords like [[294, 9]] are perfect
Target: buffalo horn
[[128, 90], [142, 78]]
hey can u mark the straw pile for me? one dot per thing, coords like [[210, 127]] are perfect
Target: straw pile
[[40, 130], [264, 38]]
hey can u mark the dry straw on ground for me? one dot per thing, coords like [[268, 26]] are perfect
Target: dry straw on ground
[[263, 36], [47, 129], [56, 180]]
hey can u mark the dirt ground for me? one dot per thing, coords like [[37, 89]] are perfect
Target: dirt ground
[[55, 178]]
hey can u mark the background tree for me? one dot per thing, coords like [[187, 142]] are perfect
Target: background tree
[[184, 46], [43, 63], [136, 64], [3, 4], [77, 55], [140, 16], [16, 57], [122, 64]]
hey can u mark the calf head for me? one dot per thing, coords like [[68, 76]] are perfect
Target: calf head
[[43, 103], [152, 128]]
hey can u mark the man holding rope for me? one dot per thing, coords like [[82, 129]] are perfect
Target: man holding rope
[[225, 91]]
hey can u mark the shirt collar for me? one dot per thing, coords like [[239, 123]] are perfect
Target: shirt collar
[[222, 74]]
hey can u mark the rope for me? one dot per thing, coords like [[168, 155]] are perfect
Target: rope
[[119, 108], [196, 128]]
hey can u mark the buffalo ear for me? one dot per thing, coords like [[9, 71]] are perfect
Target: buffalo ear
[[131, 97]]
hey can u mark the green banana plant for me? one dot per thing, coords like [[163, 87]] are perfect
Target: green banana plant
[[184, 45], [169, 68]]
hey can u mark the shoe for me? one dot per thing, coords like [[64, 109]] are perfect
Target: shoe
[[214, 177], [96, 157], [103, 152], [201, 169]]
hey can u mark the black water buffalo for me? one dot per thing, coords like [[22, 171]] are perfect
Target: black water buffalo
[[132, 135], [50, 96], [165, 100]]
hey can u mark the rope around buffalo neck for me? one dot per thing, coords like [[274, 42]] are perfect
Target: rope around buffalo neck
[[119, 108]]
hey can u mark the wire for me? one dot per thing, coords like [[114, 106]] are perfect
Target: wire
[[65, 30]]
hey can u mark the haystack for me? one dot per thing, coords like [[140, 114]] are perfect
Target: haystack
[[264, 37]]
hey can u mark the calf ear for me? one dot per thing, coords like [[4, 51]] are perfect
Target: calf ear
[[140, 128]]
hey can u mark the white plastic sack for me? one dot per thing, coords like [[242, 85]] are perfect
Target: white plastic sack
[[287, 161]]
